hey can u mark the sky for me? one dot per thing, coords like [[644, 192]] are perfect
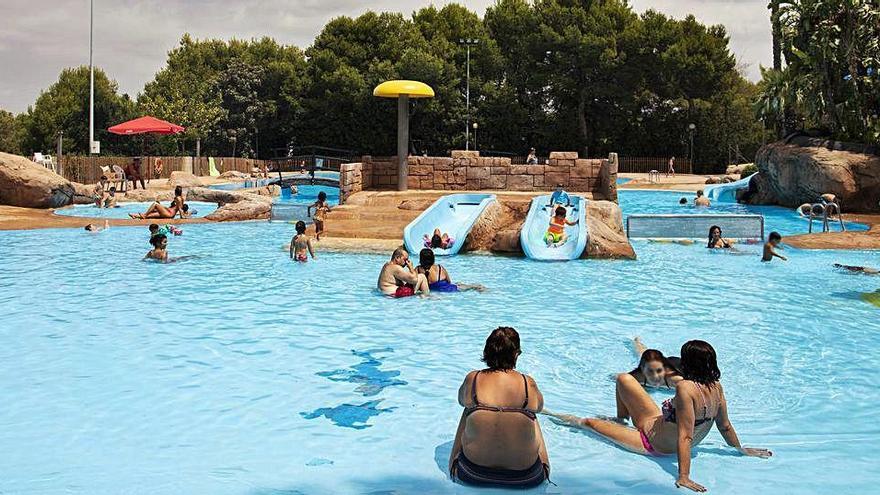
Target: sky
[[38, 38]]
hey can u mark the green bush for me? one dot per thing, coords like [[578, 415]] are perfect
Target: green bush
[[749, 170]]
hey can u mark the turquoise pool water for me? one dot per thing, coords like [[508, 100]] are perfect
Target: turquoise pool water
[[786, 221], [91, 211], [240, 372]]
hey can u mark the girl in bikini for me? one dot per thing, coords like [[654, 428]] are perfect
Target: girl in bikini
[[301, 244], [684, 420]]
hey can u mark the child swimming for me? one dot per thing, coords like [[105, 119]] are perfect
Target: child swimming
[[321, 209], [95, 229], [438, 240], [772, 242], [165, 230], [301, 244], [556, 235]]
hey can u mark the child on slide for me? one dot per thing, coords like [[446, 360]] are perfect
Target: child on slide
[[556, 235], [438, 240]]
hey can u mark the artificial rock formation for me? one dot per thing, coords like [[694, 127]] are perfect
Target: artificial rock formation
[[498, 230], [799, 171], [184, 179], [30, 185], [234, 205]]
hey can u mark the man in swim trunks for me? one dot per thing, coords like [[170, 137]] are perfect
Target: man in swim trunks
[[701, 200], [398, 278]]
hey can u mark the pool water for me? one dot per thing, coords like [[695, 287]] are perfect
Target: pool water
[[308, 194], [122, 211], [240, 372], [786, 221]]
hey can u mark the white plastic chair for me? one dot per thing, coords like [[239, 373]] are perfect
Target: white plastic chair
[[120, 178]]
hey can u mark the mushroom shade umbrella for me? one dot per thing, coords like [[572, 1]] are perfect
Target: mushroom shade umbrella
[[403, 90], [145, 125]]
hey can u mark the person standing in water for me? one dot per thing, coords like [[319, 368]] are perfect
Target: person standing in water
[[772, 242], [321, 209], [701, 200], [683, 422], [301, 244]]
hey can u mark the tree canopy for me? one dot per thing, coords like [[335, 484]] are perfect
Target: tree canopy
[[591, 76]]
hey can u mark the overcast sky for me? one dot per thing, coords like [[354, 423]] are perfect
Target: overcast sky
[[38, 38]]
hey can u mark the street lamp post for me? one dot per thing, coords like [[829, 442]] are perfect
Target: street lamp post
[[691, 128], [476, 126], [91, 79], [468, 42]]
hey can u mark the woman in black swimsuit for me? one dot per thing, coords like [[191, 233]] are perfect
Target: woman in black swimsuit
[[684, 420], [715, 239], [499, 441]]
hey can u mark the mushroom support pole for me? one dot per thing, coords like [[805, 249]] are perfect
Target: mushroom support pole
[[402, 140]]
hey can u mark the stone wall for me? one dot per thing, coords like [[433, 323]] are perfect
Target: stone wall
[[466, 171], [351, 180]]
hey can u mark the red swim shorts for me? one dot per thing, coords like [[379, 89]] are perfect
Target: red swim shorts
[[404, 291]]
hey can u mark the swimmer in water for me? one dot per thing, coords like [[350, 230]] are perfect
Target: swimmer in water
[[701, 200], [683, 201], [772, 242], [94, 229], [301, 244], [160, 247], [867, 270], [716, 241], [654, 369]]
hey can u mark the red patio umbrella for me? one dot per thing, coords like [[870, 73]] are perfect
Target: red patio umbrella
[[145, 125]]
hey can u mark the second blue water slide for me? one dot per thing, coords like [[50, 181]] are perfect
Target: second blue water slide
[[532, 234], [454, 214], [726, 193]]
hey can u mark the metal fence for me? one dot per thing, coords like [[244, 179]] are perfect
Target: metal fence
[[687, 226], [645, 164]]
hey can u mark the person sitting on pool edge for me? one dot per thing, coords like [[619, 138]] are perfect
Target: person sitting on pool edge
[[499, 441], [684, 420], [555, 235], [301, 244], [559, 197], [438, 240], [399, 279], [654, 369], [438, 277], [772, 242], [701, 200]]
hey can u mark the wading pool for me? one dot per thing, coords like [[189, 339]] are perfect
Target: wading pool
[[240, 372]]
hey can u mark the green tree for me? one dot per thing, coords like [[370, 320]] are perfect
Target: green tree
[[64, 106], [10, 133]]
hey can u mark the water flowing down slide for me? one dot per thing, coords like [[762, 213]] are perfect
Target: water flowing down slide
[[726, 193], [532, 234], [454, 215]]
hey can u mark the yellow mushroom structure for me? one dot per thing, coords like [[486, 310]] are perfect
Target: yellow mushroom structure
[[403, 90]]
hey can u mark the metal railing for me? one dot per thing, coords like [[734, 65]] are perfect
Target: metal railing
[[645, 164]]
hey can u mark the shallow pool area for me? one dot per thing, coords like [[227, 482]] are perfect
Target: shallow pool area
[[198, 208], [786, 221], [240, 372]]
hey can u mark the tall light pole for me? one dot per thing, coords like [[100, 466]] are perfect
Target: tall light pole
[[91, 79], [476, 146], [468, 42], [691, 128]]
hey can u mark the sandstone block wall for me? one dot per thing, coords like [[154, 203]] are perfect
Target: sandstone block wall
[[351, 180], [466, 171]]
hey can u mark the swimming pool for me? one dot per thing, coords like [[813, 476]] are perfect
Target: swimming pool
[[91, 211], [242, 373], [786, 221]]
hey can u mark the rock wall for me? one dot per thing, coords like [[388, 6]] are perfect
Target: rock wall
[[465, 171], [797, 171], [498, 229], [30, 185], [351, 180]]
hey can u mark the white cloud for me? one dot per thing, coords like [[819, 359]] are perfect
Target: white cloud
[[38, 38]]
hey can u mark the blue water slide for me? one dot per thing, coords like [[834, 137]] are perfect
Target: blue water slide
[[454, 214], [532, 234], [726, 193]]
